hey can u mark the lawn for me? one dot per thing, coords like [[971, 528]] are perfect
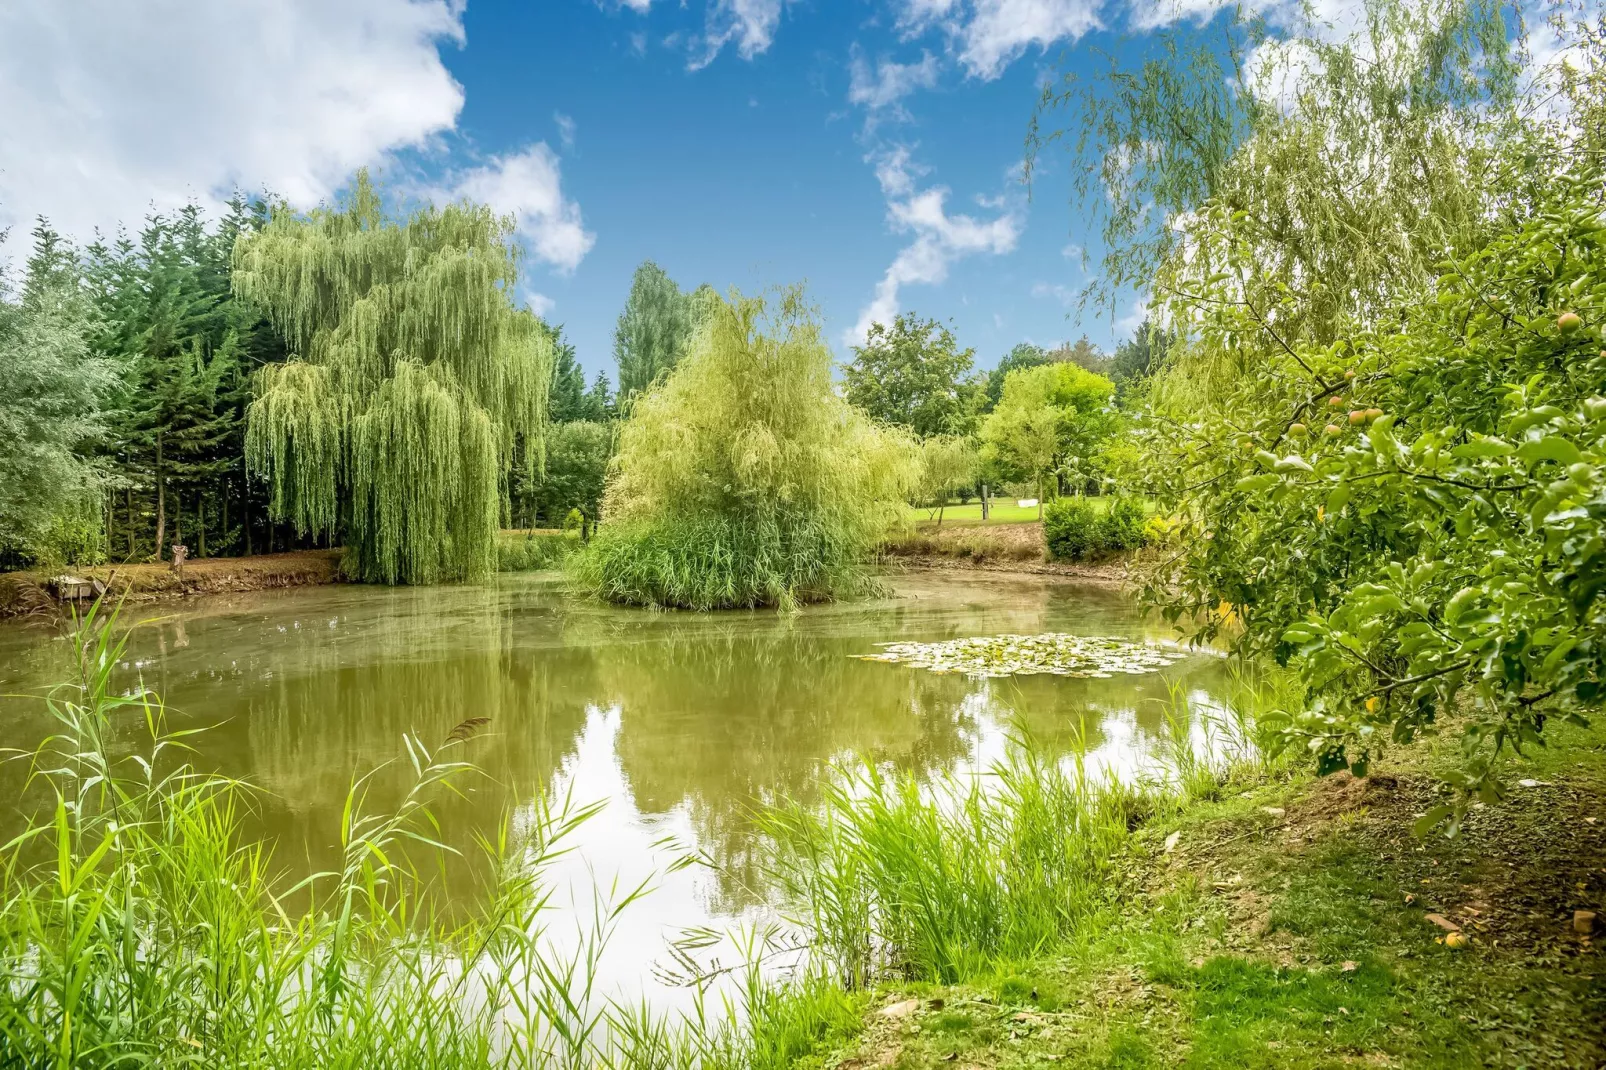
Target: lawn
[[1003, 511]]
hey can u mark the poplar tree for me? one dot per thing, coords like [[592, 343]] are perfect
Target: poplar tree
[[654, 330], [415, 381]]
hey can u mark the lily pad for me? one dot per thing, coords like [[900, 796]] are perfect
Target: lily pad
[[1053, 653]]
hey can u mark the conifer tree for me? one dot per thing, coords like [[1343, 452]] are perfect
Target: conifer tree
[[415, 381], [52, 392], [184, 346]]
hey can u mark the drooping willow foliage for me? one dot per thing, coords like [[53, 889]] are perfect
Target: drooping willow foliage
[[415, 381], [744, 479]]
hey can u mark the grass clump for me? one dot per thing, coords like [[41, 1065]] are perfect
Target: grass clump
[[534, 551], [743, 480]]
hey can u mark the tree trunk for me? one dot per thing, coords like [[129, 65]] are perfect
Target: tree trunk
[[129, 491], [161, 505]]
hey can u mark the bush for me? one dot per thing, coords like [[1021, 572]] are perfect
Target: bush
[[743, 479], [1075, 529], [1072, 529], [1124, 525]]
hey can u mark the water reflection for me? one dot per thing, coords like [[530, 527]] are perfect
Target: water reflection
[[682, 722]]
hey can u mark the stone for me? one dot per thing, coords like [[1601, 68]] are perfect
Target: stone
[[900, 1010], [1584, 921]]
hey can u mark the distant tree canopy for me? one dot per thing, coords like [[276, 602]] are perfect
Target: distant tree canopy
[[911, 374], [1050, 423], [53, 390], [1085, 355], [743, 479], [654, 330], [570, 398], [415, 380], [1024, 355]]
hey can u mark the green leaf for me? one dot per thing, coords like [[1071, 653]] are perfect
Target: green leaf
[[1550, 448], [1255, 484], [1484, 447], [1432, 819]]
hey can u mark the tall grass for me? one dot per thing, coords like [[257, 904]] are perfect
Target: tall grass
[[743, 479], [534, 551], [138, 926], [891, 878]]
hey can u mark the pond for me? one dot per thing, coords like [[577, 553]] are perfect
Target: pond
[[680, 723]]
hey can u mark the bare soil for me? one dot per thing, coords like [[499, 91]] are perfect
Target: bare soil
[[24, 594]]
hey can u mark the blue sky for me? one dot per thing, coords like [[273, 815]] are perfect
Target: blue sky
[[870, 148]]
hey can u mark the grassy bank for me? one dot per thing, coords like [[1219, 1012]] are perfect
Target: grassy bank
[[1278, 920]]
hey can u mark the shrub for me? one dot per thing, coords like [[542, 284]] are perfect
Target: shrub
[[743, 479], [1073, 530], [1124, 525]]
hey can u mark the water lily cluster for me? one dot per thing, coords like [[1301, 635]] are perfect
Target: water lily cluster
[[1053, 653]]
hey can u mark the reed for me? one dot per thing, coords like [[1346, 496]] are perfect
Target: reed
[[139, 928]]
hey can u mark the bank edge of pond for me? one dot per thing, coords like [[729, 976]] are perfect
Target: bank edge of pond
[[1298, 922], [24, 594]]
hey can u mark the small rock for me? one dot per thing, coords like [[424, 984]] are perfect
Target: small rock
[[1442, 922], [1526, 783], [1274, 811], [1584, 921], [1349, 966], [1171, 842], [900, 1010]]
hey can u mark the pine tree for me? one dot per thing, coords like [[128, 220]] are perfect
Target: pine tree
[[53, 390], [185, 346], [567, 398], [416, 381]]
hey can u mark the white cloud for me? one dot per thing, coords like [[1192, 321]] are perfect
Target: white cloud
[[640, 7], [751, 24], [883, 85], [540, 304], [916, 15], [999, 31], [565, 127], [989, 35], [1058, 291], [528, 185], [113, 107], [938, 237]]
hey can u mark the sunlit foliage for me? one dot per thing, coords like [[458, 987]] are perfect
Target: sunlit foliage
[[416, 380], [743, 479]]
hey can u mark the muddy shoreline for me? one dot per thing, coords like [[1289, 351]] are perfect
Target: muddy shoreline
[[26, 594]]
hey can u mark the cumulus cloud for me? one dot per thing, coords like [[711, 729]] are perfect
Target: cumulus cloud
[[529, 186], [112, 108], [540, 304], [989, 35], [750, 24], [1000, 31], [938, 236], [881, 86]]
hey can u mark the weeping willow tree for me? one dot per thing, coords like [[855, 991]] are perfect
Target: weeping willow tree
[[1267, 185], [743, 479], [414, 385]]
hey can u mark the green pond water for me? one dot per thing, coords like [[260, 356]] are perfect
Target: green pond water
[[681, 723]]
